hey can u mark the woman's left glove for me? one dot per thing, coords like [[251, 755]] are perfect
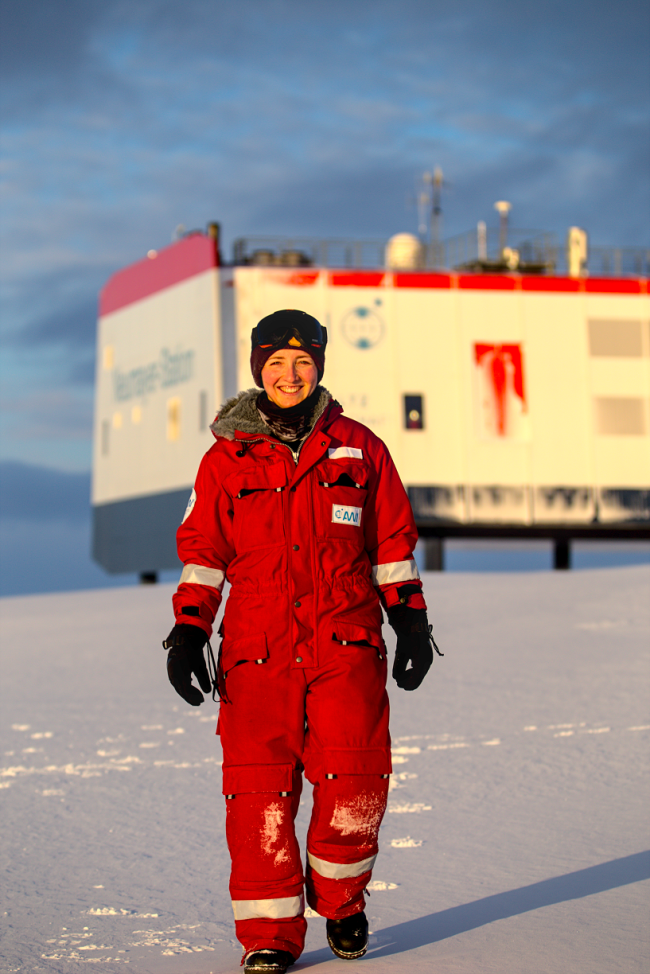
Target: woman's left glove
[[415, 645], [185, 644]]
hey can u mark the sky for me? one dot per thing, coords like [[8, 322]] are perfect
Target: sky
[[123, 119]]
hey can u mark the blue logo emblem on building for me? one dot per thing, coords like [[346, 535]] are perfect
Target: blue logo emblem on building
[[362, 327]]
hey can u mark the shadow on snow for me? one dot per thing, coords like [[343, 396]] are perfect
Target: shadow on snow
[[459, 919]]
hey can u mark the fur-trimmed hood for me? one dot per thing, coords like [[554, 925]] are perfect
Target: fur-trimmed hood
[[240, 414]]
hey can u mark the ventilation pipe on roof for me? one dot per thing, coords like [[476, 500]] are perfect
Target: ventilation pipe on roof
[[576, 252], [503, 208], [481, 240], [214, 233]]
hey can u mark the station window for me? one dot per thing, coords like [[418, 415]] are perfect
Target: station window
[[615, 339], [620, 416], [174, 418], [414, 412]]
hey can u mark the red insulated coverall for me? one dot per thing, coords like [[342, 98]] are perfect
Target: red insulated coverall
[[308, 548]]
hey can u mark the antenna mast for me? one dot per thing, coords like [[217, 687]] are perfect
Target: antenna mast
[[430, 203]]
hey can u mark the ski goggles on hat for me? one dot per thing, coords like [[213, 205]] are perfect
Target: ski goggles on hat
[[289, 328]]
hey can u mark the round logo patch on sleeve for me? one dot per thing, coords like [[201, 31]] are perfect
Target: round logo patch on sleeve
[[190, 504]]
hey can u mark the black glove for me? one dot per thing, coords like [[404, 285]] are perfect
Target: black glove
[[185, 644], [415, 644]]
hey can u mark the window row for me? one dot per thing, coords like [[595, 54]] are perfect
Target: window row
[[173, 426]]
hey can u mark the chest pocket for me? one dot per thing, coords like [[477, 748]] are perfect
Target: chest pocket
[[258, 518], [340, 492]]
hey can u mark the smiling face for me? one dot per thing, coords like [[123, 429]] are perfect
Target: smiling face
[[289, 376]]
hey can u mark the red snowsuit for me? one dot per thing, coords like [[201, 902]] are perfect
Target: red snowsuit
[[308, 547]]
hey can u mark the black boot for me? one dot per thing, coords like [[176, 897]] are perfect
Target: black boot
[[348, 938], [269, 961]]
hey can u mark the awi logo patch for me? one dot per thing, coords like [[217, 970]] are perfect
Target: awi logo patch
[[346, 515]]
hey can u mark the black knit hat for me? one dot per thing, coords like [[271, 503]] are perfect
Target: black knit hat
[[287, 329]]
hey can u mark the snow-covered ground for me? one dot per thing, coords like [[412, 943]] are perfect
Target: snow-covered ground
[[516, 836]]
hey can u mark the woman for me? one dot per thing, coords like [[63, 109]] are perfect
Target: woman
[[303, 511]]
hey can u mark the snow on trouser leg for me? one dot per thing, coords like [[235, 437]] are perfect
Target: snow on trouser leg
[[266, 879], [342, 842]]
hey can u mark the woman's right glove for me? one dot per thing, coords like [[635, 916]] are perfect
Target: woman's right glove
[[415, 645], [185, 644]]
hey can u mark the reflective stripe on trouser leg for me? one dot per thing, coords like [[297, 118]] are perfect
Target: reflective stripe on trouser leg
[[266, 881], [345, 821], [278, 909], [340, 870]]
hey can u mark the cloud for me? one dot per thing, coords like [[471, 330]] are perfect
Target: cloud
[[49, 423], [71, 328], [48, 39], [56, 327], [41, 494]]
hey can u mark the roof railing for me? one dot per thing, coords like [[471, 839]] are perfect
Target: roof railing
[[479, 251], [308, 251]]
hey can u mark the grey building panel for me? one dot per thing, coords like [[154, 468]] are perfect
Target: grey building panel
[[139, 535]]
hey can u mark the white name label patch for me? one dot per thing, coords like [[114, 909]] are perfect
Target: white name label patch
[[336, 453], [346, 515]]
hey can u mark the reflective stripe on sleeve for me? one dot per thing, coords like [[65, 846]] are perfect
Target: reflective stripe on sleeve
[[395, 571], [281, 909], [201, 575], [340, 870]]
